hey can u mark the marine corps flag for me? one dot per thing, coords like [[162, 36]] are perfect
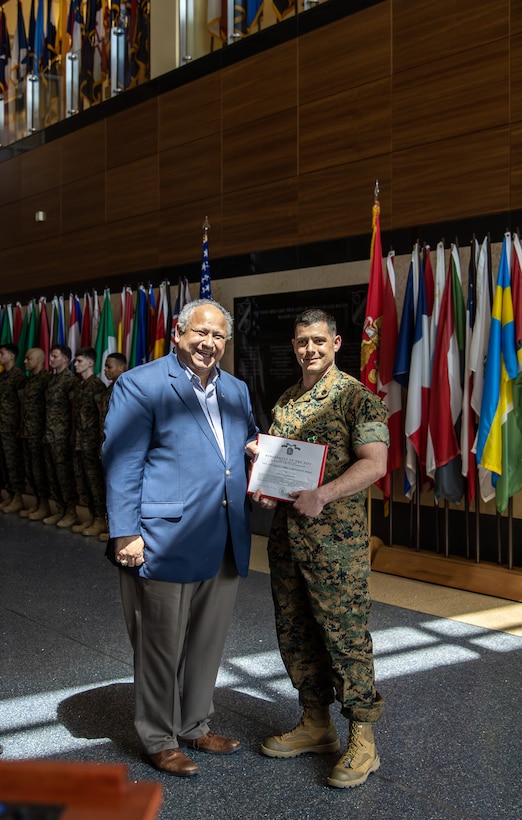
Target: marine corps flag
[[371, 335]]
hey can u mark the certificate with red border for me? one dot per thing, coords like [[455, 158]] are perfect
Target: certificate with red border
[[284, 466]]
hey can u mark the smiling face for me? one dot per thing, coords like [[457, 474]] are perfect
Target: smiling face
[[202, 345], [315, 347]]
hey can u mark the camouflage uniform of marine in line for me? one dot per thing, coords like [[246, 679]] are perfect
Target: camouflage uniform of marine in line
[[11, 382], [33, 430], [103, 400], [322, 632], [90, 481], [58, 438]]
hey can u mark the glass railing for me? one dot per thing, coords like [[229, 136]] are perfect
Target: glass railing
[[61, 57]]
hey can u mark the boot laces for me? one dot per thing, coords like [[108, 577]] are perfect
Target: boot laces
[[354, 744]]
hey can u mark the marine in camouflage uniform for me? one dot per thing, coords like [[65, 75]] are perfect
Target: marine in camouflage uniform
[[320, 559], [115, 365], [58, 438], [33, 429], [90, 482], [12, 380]]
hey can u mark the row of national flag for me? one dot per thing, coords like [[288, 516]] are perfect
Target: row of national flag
[[145, 329], [67, 55], [450, 372]]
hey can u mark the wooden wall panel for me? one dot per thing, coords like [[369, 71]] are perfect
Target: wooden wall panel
[[83, 153], [452, 179], [190, 172], [12, 234], [190, 112], [351, 52], [463, 93], [41, 169], [284, 148], [433, 29], [11, 180], [338, 201], [516, 167], [516, 78], [260, 218], [133, 189], [256, 152], [132, 134], [89, 262], [181, 230], [83, 203], [359, 126], [132, 245], [260, 87], [32, 231]]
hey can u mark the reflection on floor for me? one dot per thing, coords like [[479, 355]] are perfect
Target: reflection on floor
[[449, 665]]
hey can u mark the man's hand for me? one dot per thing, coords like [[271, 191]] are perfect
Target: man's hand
[[264, 501], [308, 502], [128, 550]]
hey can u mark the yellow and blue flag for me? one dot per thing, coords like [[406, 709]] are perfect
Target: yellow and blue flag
[[499, 437]]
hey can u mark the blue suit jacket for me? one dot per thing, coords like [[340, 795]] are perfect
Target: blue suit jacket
[[166, 478]]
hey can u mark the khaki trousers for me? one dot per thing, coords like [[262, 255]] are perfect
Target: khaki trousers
[[178, 632]]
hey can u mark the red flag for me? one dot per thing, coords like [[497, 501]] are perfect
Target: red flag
[[389, 390], [86, 321], [44, 333], [17, 322], [371, 335]]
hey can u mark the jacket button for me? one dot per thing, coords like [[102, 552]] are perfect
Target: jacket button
[[227, 472], [224, 503]]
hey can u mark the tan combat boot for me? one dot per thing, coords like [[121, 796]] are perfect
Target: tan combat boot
[[98, 526], [359, 760], [27, 512], [6, 501], [16, 504], [67, 518], [54, 517], [314, 733], [82, 525], [41, 512]]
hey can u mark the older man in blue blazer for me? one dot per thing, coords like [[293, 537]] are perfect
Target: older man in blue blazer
[[176, 437]]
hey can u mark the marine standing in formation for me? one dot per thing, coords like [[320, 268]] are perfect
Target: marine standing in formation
[[90, 482], [12, 380], [33, 429], [58, 438]]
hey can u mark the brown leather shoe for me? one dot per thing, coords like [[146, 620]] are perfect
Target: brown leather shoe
[[173, 761], [213, 743]]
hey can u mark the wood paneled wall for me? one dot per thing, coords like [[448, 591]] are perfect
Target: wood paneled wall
[[283, 149]]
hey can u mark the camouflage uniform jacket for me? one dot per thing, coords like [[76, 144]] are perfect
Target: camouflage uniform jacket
[[341, 412], [87, 415], [11, 382], [59, 403], [33, 405]]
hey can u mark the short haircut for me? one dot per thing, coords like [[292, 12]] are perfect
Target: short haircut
[[87, 353], [313, 315], [65, 350], [188, 310], [10, 347], [118, 357]]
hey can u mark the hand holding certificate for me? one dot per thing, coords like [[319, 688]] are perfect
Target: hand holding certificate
[[285, 466]]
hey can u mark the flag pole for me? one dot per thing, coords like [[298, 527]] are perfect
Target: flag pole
[[369, 499]]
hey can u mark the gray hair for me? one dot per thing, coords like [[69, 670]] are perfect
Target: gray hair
[[186, 314]]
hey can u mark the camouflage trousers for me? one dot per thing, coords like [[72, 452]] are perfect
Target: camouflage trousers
[[13, 461], [60, 473], [90, 481], [35, 468], [321, 611]]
